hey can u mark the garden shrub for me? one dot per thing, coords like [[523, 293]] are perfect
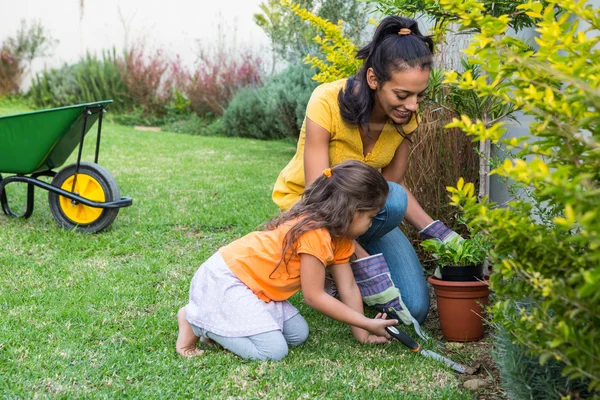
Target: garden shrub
[[273, 111], [247, 116], [549, 260], [137, 116], [288, 93], [143, 77], [215, 128], [523, 378], [134, 81], [217, 78], [54, 88]]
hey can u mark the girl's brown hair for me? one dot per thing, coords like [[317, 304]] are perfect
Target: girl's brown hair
[[330, 203]]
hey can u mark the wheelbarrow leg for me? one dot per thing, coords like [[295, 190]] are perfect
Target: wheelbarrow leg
[[3, 200], [6, 207], [30, 196]]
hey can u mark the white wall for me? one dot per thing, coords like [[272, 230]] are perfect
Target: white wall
[[174, 25]]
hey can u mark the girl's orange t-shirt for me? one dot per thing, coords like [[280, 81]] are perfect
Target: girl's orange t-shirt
[[254, 259]]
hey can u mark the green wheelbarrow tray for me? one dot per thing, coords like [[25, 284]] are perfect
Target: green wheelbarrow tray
[[83, 195]]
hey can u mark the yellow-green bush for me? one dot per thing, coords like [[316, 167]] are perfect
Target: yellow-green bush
[[339, 51], [291, 38], [551, 259]]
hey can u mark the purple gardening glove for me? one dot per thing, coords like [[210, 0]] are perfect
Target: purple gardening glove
[[377, 289], [437, 230]]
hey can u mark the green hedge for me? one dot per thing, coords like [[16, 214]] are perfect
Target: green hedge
[[273, 111]]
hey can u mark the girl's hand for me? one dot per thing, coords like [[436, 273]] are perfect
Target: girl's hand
[[374, 339], [377, 327]]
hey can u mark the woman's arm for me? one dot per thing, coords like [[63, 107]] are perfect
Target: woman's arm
[[394, 172], [349, 310], [316, 151]]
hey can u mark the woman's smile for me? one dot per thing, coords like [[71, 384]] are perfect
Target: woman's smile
[[402, 113]]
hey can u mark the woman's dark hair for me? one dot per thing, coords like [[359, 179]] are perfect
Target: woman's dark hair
[[330, 203], [387, 53]]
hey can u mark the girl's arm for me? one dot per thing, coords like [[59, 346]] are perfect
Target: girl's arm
[[316, 151], [394, 172], [349, 310], [350, 295]]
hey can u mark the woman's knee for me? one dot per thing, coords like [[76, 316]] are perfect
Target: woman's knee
[[390, 216], [419, 308], [396, 203]]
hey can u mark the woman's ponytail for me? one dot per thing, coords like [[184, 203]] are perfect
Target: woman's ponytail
[[397, 45]]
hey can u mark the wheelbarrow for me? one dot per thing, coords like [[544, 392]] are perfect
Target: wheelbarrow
[[83, 196]]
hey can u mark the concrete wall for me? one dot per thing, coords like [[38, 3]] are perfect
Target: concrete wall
[[498, 189]]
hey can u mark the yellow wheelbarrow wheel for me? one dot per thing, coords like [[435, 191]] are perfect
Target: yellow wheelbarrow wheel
[[93, 183]]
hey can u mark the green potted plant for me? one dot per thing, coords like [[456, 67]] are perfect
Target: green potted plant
[[460, 286], [458, 260]]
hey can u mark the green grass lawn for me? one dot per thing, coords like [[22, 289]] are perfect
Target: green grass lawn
[[86, 316]]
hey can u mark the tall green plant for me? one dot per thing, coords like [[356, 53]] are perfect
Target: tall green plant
[[291, 38], [554, 264], [437, 12], [90, 79], [338, 60]]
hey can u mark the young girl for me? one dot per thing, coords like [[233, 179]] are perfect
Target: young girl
[[238, 297], [369, 117]]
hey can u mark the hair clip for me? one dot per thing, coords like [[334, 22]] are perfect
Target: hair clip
[[404, 31], [327, 172]]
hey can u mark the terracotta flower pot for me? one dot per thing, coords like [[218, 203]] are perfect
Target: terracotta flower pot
[[460, 307]]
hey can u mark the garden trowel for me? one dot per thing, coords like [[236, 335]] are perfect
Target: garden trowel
[[416, 348]]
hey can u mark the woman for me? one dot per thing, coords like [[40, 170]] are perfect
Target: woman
[[370, 118]]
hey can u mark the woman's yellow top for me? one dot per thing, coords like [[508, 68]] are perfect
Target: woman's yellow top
[[345, 143]]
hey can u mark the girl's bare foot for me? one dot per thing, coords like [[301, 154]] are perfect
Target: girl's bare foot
[[208, 341], [186, 340]]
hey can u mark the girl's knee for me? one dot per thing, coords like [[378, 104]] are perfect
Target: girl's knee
[[274, 353], [270, 346], [295, 330], [301, 335]]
